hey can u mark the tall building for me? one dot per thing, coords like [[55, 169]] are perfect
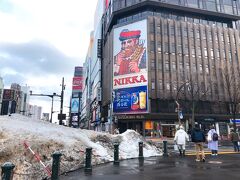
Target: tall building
[[91, 103], [1, 92], [25, 99], [35, 112], [76, 97], [169, 62], [11, 100]]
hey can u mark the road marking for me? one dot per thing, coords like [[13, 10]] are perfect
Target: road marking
[[215, 162], [226, 152]]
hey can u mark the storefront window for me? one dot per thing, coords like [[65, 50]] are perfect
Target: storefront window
[[155, 129], [223, 130]]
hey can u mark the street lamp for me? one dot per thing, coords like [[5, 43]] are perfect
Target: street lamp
[[48, 95], [177, 103]]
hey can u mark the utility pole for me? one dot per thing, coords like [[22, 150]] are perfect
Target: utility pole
[[61, 107]]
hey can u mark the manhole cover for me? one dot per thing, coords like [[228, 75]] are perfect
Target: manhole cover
[[215, 162]]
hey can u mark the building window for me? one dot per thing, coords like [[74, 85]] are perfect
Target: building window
[[187, 65], [230, 56], [224, 55], [152, 45], [173, 1], [199, 52], [174, 85], [212, 54], [167, 65], [160, 84], [191, 33], [179, 49], [153, 85], [152, 64], [186, 49], [179, 31], [185, 31], [180, 65], [193, 3], [200, 68], [205, 52], [193, 51], [198, 34], [228, 8], [218, 53], [204, 36], [173, 47], [174, 65], [216, 37], [194, 68], [166, 48], [172, 30], [168, 86], [211, 5], [206, 69], [165, 30]]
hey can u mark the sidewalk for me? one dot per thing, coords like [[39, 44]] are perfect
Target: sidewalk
[[172, 168], [159, 143]]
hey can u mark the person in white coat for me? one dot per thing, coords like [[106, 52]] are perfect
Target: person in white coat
[[180, 139]]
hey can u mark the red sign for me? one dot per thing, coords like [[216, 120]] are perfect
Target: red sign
[[8, 94], [106, 4], [77, 83], [129, 80]]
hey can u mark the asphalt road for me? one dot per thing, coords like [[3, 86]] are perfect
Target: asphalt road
[[221, 167]]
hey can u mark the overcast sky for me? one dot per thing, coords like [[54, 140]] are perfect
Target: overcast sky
[[42, 41]]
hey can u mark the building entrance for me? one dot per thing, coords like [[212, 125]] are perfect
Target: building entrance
[[168, 130], [135, 125]]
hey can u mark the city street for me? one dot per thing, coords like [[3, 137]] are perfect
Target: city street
[[221, 167]]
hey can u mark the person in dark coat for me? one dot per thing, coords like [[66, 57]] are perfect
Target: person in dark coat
[[199, 139], [234, 138]]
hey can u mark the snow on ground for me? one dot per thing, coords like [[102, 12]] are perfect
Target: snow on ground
[[45, 138]]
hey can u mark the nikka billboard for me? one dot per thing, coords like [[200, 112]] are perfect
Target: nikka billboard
[[130, 77]]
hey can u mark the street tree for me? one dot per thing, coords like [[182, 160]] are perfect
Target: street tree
[[230, 77], [193, 92]]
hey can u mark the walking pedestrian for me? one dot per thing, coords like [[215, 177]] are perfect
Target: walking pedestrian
[[189, 132], [199, 139], [234, 138], [213, 141], [180, 139]]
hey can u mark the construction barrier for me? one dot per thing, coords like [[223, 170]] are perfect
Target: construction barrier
[[37, 157]]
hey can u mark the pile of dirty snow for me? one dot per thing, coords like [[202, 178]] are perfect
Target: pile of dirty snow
[[45, 138]]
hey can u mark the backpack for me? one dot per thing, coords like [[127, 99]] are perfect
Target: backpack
[[215, 137]]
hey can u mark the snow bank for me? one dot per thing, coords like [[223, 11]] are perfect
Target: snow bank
[[45, 138]]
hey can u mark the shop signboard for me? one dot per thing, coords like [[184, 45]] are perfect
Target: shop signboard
[[130, 100], [77, 83], [8, 94], [130, 77], [237, 121], [75, 105]]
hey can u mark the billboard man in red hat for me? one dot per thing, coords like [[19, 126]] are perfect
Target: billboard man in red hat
[[132, 56]]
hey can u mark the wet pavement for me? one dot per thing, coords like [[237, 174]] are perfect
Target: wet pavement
[[173, 167]]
